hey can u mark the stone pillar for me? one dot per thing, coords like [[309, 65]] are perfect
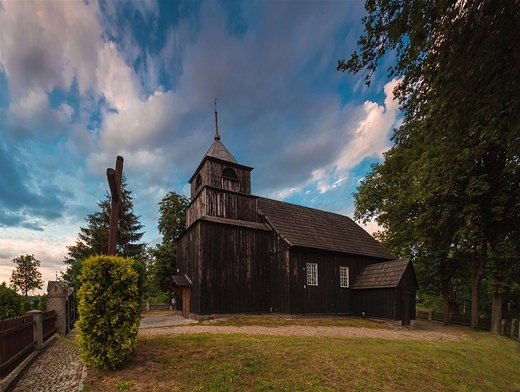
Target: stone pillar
[[38, 328], [57, 293]]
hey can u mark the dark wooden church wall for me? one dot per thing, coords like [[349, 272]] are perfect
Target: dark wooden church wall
[[279, 286], [188, 262], [378, 303], [235, 269], [328, 296]]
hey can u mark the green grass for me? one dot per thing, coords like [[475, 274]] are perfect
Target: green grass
[[239, 362]]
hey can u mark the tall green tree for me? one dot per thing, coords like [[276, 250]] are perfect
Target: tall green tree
[[171, 224], [26, 277], [459, 79], [93, 239]]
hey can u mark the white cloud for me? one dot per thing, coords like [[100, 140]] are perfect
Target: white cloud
[[46, 43], [368, 137]]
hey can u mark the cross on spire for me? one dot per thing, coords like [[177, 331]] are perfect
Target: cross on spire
[[217, 136]]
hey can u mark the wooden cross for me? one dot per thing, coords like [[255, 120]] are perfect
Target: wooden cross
[[114, 181]]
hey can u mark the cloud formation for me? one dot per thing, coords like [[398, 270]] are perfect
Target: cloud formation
[[82, 82]]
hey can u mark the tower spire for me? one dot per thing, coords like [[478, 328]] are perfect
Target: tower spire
[[217, 136]]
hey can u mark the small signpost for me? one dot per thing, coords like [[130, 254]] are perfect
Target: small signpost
[[114, 181]]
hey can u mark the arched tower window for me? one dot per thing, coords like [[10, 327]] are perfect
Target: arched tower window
[[230, 174], [198, 181], [230, 180]]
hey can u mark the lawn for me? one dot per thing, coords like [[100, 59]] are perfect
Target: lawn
[[240, 362]]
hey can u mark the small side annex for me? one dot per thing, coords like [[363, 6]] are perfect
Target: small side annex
[[386, 290], [242, 253]]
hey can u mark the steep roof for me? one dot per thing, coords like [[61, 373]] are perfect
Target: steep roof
[[219, 151], [311, 228], [381, 275]]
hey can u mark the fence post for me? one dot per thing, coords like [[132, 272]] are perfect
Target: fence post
[[503, 324], [148, 306], [430, 315], [38, 328]]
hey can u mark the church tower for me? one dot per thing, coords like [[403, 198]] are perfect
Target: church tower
[[219, 169]]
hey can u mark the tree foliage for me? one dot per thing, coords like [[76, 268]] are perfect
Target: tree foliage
[[93, 239], [10, 302], [109, 311], [171, 224], [26, 277], [448, 189]]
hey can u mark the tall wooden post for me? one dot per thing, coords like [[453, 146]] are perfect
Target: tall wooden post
[[114, 181]]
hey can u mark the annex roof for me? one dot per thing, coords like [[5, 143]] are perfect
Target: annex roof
[[180, 281], [381, 275], [311, 228]]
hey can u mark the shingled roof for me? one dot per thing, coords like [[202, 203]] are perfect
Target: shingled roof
[[311, 228], [219, 151], [381, 275]]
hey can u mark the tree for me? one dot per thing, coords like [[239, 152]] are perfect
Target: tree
[[458, 64], [10, 302], [26, 276], [93, 239], [172, 222]]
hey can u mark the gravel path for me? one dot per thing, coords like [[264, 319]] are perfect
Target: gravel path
[[425, 331]]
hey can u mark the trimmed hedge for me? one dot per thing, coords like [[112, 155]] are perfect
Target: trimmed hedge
[[109, 311]]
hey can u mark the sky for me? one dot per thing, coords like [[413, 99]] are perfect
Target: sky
[[82, 82]]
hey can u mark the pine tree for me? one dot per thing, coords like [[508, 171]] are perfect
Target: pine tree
[[93, 239]]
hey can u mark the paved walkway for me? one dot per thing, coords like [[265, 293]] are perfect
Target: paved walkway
[[59, 369]]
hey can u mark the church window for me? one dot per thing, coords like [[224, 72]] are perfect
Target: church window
[[229, 173], [198, 181], [343, 277], [312, 274]]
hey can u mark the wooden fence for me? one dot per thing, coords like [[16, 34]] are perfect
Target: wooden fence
[[148, 306], [18, 338], [508, 327]]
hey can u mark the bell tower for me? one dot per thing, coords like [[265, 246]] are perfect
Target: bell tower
[[219, 169]]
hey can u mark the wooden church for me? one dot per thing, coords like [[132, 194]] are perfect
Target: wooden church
[[242, 253]]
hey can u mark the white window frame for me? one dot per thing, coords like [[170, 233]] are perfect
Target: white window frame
[[344, 278], [312, 274]]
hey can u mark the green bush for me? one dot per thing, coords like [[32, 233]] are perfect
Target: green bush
[[42, 303], [109, 311], [10, 302], [27, 306]]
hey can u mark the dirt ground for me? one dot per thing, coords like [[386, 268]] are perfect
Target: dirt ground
[[168, 324]]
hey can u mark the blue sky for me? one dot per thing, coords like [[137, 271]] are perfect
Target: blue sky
[[84, 81]]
